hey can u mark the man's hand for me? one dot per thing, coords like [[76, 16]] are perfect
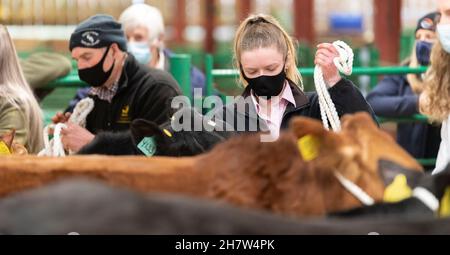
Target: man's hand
[[325, 56], [61, 117], [75, 137]]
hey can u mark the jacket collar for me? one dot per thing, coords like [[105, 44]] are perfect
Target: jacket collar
[[130, 68]]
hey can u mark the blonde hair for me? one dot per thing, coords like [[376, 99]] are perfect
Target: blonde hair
[[414, 80], [435, 98], [263, 30], [15, 89]]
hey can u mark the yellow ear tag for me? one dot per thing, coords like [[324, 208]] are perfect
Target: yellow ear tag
[[444, 210], [167, 132], [398, 190], [4, 150], [309, 147]]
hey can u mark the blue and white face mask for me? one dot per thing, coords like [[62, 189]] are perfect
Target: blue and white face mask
[[141, 51], [443, 31]]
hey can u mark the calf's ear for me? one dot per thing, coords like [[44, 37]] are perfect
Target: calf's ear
[[399, 182], [142, 128], [389, 170], [8, 138], [309, 135], [303, 126]]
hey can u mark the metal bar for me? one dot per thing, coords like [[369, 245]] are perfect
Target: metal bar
[[209, 65], [414, 118], [72, 80], [385, 70], [180, 68], [427, 162]]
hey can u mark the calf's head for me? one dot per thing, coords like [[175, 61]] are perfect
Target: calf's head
[[296, 175]]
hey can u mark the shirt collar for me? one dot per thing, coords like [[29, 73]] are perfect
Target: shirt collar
[[286, 95], [162, 61], [104, 93]]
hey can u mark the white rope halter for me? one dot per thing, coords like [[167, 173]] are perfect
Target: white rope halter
[[344, 63], [355, 190], [55, 148]]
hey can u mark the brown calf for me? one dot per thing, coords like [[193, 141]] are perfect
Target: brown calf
[[241, 171]]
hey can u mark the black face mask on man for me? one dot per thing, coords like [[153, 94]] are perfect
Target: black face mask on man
[[95, 76], [267, 86]]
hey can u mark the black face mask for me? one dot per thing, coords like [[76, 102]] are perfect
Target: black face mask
[[95, 76], [267, 86]]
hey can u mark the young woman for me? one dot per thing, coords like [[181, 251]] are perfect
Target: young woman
[[19, 109], [265, 56], [398, 96], [434, 100]]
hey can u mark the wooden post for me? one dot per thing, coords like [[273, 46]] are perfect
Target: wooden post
[[210, 24], [180, 21], [387, 23], [245, 7], [304, 21]]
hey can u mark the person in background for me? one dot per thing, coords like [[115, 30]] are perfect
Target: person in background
[[144, 28], [122, 89], [19, 108], [398, 95], [41, 68], [435, 98]]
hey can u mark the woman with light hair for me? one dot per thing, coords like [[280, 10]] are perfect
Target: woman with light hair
[[19, 109], [435, 99], [397, 96]]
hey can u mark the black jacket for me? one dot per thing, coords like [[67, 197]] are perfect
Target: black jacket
[[345, 95], [143, 93]]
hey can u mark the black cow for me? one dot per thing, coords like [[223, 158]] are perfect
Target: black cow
[[168, 142], [87, 207]]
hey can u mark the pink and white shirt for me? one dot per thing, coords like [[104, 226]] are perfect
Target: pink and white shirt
[[272, 111]]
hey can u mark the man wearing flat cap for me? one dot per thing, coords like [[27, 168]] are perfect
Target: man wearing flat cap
[[122, 89]]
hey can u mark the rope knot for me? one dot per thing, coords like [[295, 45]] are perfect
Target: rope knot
[[344, 64], [55, 148]]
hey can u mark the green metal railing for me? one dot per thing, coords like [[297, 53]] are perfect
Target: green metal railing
[[72, 80], [212, 74], [181, 70], [414, 118], [180, 67], [371, 71], [385, 70]]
